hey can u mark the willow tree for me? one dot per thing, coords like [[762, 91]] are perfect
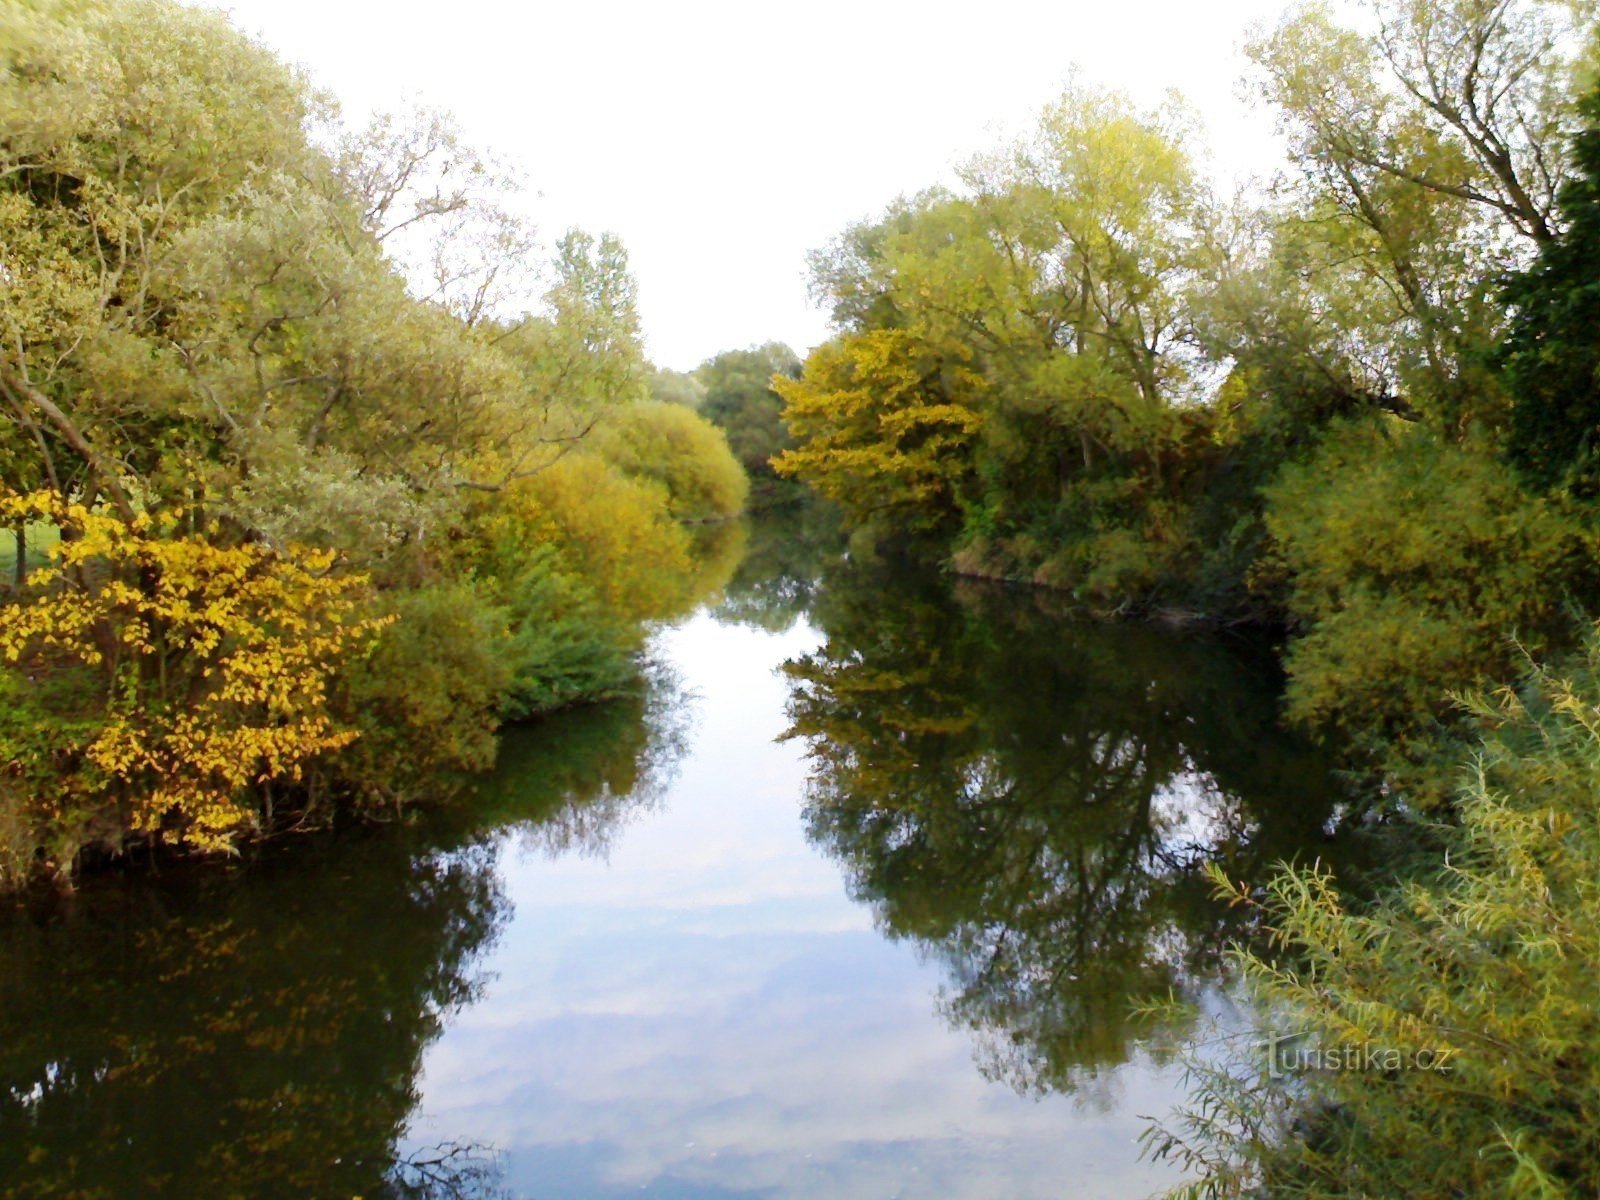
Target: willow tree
[[1431, 144], [230, 324], [1461, 1005]]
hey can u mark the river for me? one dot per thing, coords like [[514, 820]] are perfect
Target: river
[[866, 894]]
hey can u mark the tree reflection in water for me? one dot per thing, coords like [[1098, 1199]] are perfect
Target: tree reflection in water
[[223, 1031], [777, 580], [1027, 799], [1032, 802], [573, 785]]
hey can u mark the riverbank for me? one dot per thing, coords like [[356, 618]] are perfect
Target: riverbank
[[863, 827]]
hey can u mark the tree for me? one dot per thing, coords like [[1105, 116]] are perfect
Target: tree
[[679, 449], [1414, 568], [1551, 354], [251, 340], [737, 397], [1431, 153], [676, 387], [1057, 279], [884, 426]]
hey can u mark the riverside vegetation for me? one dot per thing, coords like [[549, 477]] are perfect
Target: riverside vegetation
[[320, 508], [1361, 406]]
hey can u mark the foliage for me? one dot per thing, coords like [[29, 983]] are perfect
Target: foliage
[[1050, 292], [1551, 356], [573, 558], [1412, 564], [676, 387], [234, 327], [556, 637], [613, 528], [1486, 965], [208, 670], [1430, 141], [1167, 391], [884, 427], [263, 1032], [737, 397], [679, 449], [428, 696]]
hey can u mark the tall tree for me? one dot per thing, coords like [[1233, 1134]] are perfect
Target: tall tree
[[1551, 355], [1429, 143]]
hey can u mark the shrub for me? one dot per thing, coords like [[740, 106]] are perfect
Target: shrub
[[613, 530], [1411, 564], [679, 449], [1488, 965], [428, 696], [563, 646], [171, 684]]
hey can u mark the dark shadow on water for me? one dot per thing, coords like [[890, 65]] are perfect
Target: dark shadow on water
[[258, 1029]]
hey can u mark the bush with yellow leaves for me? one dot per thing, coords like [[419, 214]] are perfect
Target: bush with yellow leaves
[[162, 683]]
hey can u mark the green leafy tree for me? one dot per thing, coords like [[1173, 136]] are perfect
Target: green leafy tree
[[679, 449], [1415, 567], [1551, 355], [227, 318], [1057, 279], [1430, 140], [737, 397], [884, 426]]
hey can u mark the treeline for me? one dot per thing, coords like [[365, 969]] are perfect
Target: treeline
[[734, 391], [1359, 403], [1364, 408], [318, 465]]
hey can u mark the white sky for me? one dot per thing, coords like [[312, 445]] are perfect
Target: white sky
[[722, 141]]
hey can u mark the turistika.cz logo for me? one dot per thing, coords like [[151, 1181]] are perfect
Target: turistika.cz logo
[[1295, 1054]]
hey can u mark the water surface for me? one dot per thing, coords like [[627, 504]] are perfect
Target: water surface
[[862, 896]]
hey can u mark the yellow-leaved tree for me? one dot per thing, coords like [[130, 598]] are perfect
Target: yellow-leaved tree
[[164, 683], [885, 425]]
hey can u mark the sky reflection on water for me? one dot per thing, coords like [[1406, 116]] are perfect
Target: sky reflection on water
[[864, 895], [702, 1010]]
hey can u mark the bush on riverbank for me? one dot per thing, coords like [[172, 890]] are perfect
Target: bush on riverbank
[[1415, 568], [1486, 966]]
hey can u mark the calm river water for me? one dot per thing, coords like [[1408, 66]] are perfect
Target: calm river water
[[859, 898]]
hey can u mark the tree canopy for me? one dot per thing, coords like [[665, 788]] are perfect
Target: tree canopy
[[339, 455]]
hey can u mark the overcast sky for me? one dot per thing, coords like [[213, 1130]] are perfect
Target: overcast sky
[[722, 141]]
